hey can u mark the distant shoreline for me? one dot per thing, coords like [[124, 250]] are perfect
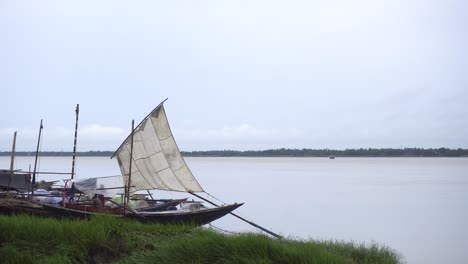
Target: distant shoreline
[[362, 152]]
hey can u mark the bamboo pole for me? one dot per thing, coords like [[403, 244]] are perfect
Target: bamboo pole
[[29, 173], [240, 217], [130, 166], [150, 194], [51, 172], [77, 111], [133, 211], [37, 155], [127, 188], [12, 163]]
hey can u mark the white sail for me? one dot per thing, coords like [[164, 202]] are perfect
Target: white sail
[[156, 161]]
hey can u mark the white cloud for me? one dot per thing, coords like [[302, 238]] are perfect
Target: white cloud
[[101, 137], [97, 131], [90, 137], [243, 136]]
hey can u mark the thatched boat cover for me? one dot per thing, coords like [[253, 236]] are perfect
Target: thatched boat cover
[[108, 186], [16, 181]]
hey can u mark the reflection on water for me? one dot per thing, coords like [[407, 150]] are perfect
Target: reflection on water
[[418, 206]]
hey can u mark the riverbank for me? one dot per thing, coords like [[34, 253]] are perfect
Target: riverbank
[[28, 239], [283, 152]]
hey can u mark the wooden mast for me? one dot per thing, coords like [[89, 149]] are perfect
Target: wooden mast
[[12, 163], [29, 177], [77, 111], [37, 155], [127, 188]]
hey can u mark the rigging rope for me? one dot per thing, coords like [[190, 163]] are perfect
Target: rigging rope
[[215, 198], [240, 217], [223, 230]]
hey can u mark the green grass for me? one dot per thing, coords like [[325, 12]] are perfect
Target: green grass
[[27, 239]]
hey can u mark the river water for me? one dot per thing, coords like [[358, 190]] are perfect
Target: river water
[[417, 206]]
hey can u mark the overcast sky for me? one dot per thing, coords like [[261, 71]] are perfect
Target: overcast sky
[[238, 74]]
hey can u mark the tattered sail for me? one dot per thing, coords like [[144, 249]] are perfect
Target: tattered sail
[[157, 162]]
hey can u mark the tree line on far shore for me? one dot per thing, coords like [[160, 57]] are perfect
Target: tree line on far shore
[[361, 152], [283, 152]]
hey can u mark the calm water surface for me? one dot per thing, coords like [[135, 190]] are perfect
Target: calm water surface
[[418, 206]]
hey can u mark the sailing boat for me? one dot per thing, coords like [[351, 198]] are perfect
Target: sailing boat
[[149, 159]]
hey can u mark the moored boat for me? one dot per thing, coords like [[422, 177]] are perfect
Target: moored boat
[[198, 217], [157, 164]]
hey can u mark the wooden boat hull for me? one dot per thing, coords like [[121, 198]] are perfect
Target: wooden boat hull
[[62, 212], [91, 209], [107, 210], [199, 217], [20, 206]]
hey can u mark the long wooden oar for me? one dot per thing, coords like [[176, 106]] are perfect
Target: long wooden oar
[[240, 217], [128, 208]]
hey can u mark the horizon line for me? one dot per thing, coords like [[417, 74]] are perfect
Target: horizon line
[[283, 148]]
